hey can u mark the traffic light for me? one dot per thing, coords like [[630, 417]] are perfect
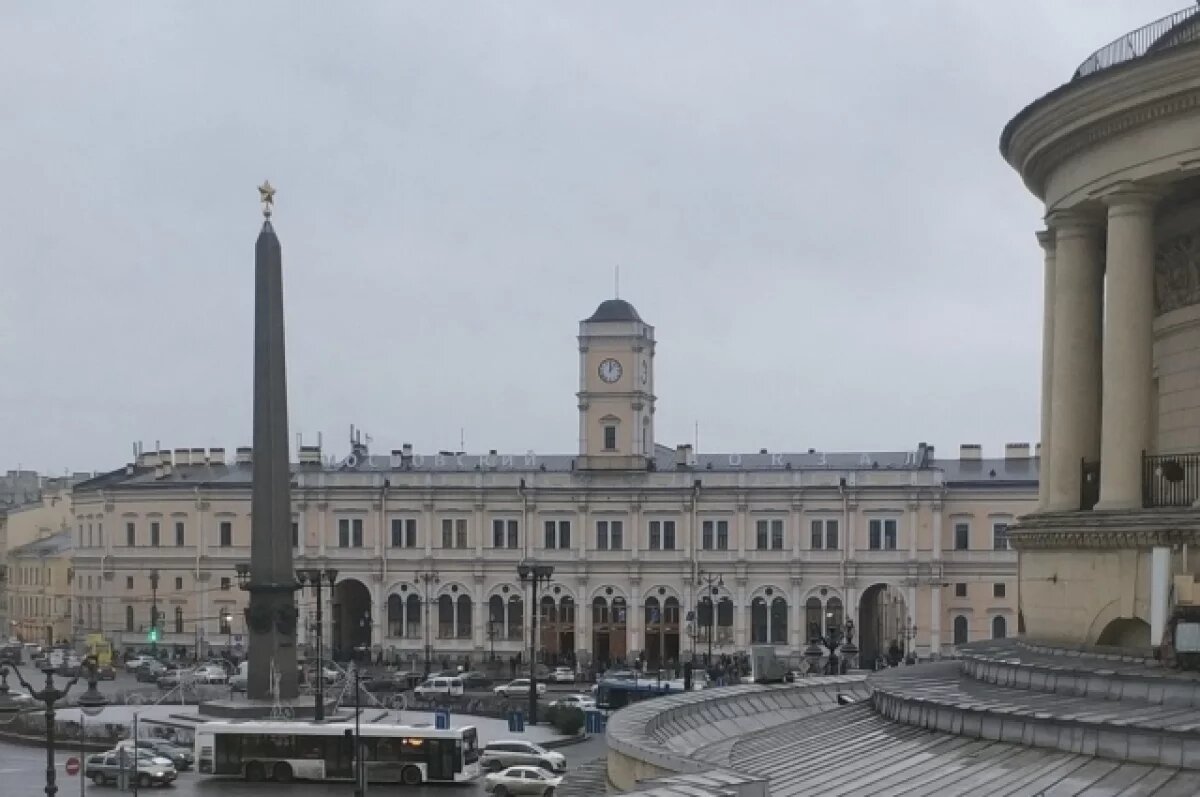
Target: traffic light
[[152, 635]]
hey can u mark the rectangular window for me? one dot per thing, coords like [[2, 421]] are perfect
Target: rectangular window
[[128, 582], [179, 533], [350, 532], [225, 583], [564, 534], [356, 529], [497, 533], [762, 530], [998, 590], [404, 532], [818, 534], [100, 534], [454, 532], [505, 534], [610, 438], [154, 533], [558, 534], [609, 535], [130, 534], [226, 533], [616, 535], [960, 590], [962, 536], [776, 535], [668, 535], [714, 535], [882, 535], [178, 583], [1000, 536], [831, 535], [655, 535], [295, 534]]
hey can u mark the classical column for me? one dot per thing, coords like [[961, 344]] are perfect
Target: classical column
[[1128, 340], [935, 621], [1078, 312], [1047, 239], [1160, 586]]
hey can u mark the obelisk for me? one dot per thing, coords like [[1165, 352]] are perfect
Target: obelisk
[[271, 616]]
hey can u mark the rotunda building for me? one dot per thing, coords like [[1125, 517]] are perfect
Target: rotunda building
[[1115, 156]]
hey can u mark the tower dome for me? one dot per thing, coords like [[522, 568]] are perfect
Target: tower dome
[[615, 310]]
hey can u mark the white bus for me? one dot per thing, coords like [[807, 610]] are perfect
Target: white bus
[[324, 751]]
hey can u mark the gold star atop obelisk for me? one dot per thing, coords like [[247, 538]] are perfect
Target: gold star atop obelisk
[[266, 195]]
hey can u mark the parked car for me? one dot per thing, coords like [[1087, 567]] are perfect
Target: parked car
[[134, 662], [105, 768], [522, 780], [182, 758], [475, 680], [151, 671], [519, 686], [210, 674], [106, 672], [563, 675], [517, 753], [582, 702], [439, 687]]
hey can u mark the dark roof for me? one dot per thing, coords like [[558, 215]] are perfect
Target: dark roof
[[615, 310], [56, 543]]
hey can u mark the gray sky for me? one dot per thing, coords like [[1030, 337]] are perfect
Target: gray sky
[[805, 198]]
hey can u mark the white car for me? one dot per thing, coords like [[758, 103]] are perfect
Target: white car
[[439, 687], [210, 674], [522, 780], [137, 661], [520, 686], [582, 702], [563, 675]]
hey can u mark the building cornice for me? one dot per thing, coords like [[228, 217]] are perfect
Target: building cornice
[[1081, 113], [1095, 530]]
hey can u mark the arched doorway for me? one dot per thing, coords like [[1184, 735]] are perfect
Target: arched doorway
[[608, 629], [351, 619], [395, 616], [662, 630], [960, 630], [999, 627], [881, 619], [1126, 632], [768, 618]]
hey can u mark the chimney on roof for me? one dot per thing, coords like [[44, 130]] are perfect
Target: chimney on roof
[[148, 459], [244, 455], [164, 455], [216, 456], [683, 455], [129, 469], [406, 456], [397, 458], [1016, 451], [310, 455], [970, 451], [183, 456], [197, 456], [762, 450], [1037, 450]]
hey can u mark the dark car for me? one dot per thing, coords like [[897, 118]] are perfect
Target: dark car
[[106, 672], [475, 680], [151, 671], [182, 757]]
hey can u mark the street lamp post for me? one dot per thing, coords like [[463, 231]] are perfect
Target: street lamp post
[[491, 633], [227, 618], [359, 769], [154, 613], [712, 584], [535, 574], [49, 695], [316, 577], [428, 579], [910, 633]]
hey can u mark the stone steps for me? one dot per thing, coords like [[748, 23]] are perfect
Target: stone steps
[[939, 697], [1079, 673]]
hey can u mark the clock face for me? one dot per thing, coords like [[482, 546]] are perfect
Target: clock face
[[645, 371], [610, 370]]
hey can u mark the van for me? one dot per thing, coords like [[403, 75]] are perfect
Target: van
[[440, 687]]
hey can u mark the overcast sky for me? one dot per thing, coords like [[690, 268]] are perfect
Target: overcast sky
[[805, 198]]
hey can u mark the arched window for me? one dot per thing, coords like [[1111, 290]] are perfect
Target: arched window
[[128, 618], [464, 619], [599, 611], [516, 617], [395, 616], [618, 612], [445, 617], [566, 612], [671, 612], [495, 627], [412, 616], [758, 621], [178, 619], [999, 627], [834, 615], [653, 612], [814, 624], [779, 621], [724, 621], [960, 630], [548, 614]]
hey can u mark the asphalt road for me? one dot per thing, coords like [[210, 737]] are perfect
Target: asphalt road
[[23, 774]]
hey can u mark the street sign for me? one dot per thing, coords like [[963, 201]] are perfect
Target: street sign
[[441, 719], [72, 766]]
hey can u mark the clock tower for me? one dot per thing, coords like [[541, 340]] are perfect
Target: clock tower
[[616, 389]]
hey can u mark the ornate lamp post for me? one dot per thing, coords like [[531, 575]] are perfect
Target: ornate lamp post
[[428, 579], [909, 633], [154, 614], [712, 584], [535, 574], [315, 578], [49, 695]]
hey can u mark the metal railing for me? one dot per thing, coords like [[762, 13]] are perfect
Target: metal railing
[[1169, 31], [1170, 480]]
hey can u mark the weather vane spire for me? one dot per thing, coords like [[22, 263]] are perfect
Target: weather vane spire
[[266, 195]]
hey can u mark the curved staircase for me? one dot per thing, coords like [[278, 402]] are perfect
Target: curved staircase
[[1113, 706]]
